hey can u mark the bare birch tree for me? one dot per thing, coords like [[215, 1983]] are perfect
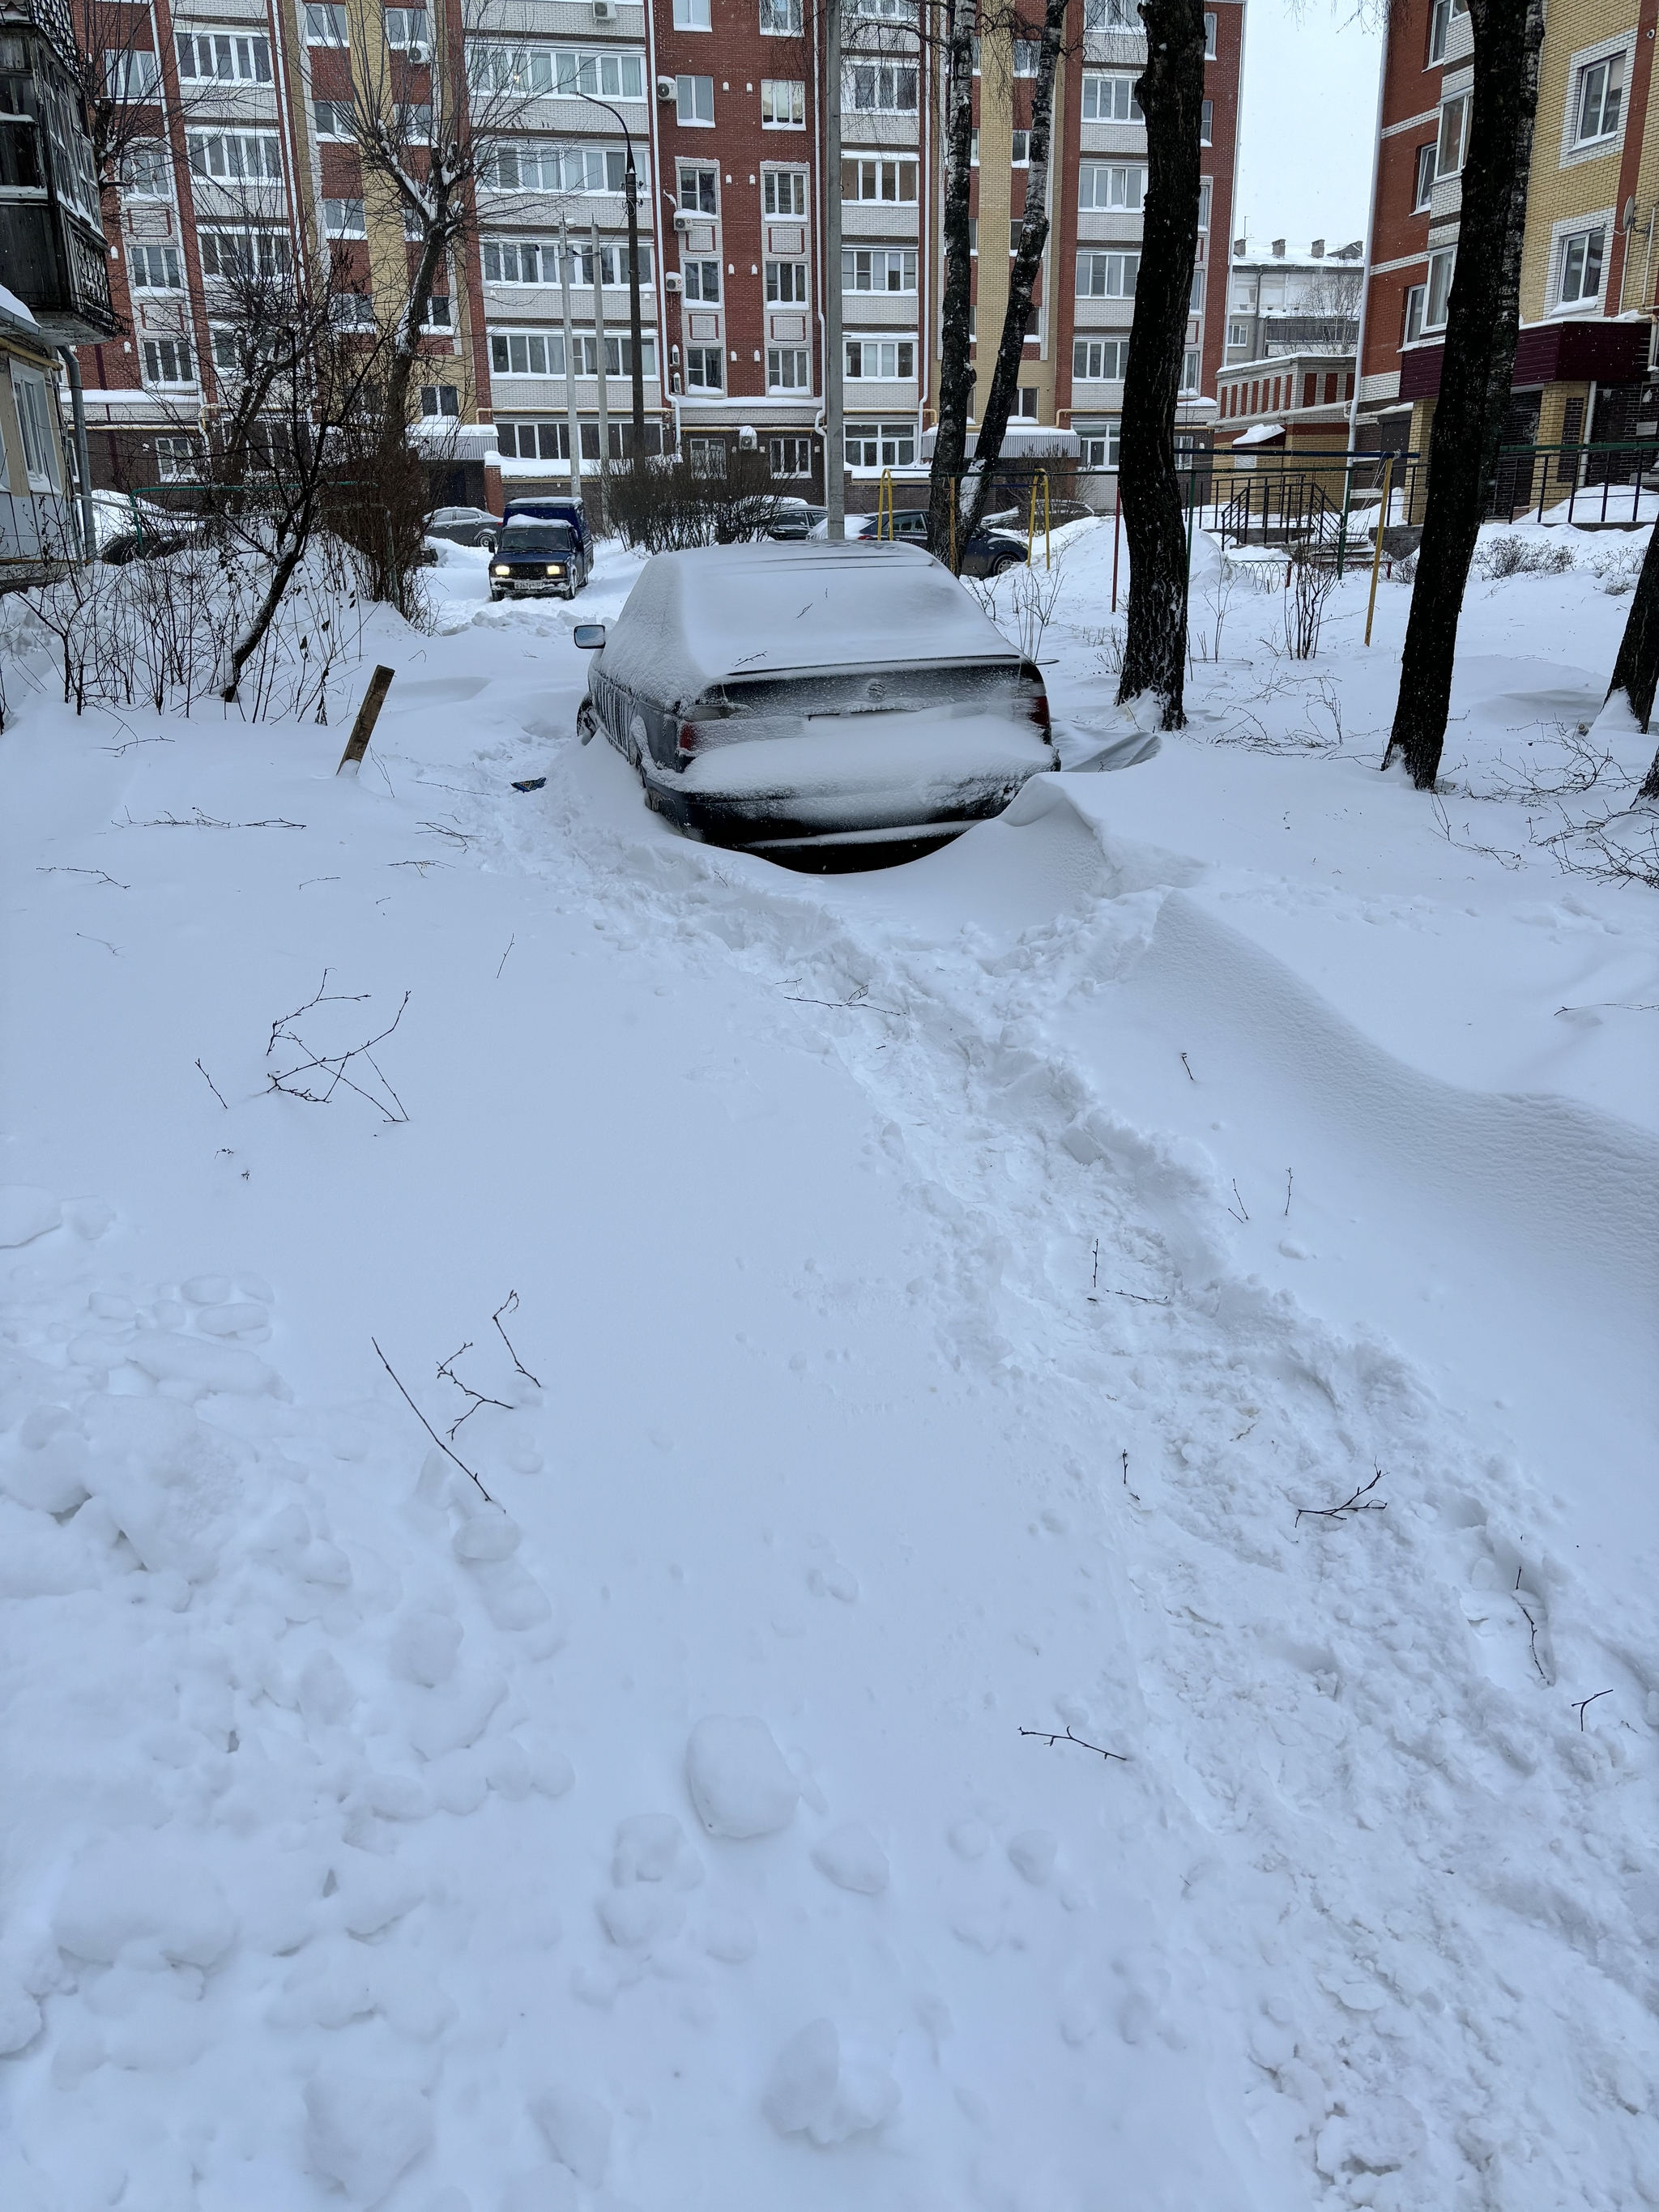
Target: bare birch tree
[[956, 384]]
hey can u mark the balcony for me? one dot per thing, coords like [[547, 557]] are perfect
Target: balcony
[[51, 239]]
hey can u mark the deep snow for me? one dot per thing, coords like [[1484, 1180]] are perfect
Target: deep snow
[[942, 1291]]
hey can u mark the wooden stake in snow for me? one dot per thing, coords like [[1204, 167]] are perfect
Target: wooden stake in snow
[[368, 714]]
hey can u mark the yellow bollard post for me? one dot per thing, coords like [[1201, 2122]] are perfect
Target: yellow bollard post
[[885, 505], [1377, 550]]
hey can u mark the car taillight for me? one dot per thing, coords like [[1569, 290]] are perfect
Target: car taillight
[[688, 739], [1037, 708]]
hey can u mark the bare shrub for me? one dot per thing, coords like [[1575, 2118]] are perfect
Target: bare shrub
[[1515, 556], [1312, 582], [667, 505]]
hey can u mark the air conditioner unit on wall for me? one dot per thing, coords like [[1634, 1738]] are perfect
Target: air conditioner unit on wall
[[604, 11], [666, 89], [681, 222], [673, 284]]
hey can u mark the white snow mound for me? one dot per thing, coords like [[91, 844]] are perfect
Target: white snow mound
[[739, 1781]]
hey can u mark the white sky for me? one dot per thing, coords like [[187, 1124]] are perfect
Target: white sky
[[1308, 120]]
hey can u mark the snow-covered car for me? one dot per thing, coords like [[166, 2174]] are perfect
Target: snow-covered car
[[535, 560], [828, 706], [793, 519], [986, 553], [570, 511]]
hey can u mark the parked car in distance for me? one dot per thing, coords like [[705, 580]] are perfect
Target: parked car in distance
[[986, 553], [793, 519], [570, 511], [824, 705], [464, 525], [535, 560]]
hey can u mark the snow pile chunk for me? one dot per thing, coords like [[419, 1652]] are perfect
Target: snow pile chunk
[[26, 1213], [739, 1781], [173, 1485], [1033, 1855], [578, 2131], [139, 1903], [852, 1858], [813, 2091], [202, 1368], [365, 2134]]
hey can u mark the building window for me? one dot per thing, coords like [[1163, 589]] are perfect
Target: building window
[[879, 87], [1601, 99], [1099, 444], [347, 311], [791, 457], [1424, 185], [531, 71], [893, 181], [1020, 150], [34, 419], [1026, 51], [1205, 186], [1209, 38], [226, 59], [132, 73], [881, 445], [1206, 123], [440, 312], [1112, 186], [695, 100], [344, 219], [788, 369], [175, 459], [1110, 99], [407, 28], [1580, 267], [167, 362], [1454, 130], [155, 269], [1107, 276], [541, 353], [702, 279], [781, 18], [704, 369], [691, 15], [505, 261], [1099, 360], [707, 456], [891, 360], [146, 172], [783, 104], [530, 441], [438, 400], [232, 253], [1238, 334], [878, 269], [332, 118], [785, 281], [1196, 297], [783, 191], [1413, 324], [1440, 16], [1190, 365], [1110, 15], [697, 190], [238, 157], [326, 26]]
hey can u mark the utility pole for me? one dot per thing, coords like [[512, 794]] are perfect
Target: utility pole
[[604, 365], [631, 195], [834, 353], [572, 419]]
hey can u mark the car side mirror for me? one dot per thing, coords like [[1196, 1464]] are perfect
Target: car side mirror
[[589, 637]]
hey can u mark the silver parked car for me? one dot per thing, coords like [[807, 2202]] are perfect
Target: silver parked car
[[464, 525], [827, 706]]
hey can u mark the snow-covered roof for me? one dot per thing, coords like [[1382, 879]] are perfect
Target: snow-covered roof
[[694, 619], [13, 308], [460, 441], [1258, 434]]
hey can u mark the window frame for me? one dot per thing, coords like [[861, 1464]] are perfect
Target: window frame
[[1122, 85], [1422, 176], [789, 28], [189, 381], [704, 173], [687, 87], [1089, 170], [257, 42], [859, 342], [879, 163], [1598, 61], [1455, 108], [1593, 237], [325, 24], [895, 444], [800, 443], [801, 356], [799, 186], [794, 92], [1084, 372]]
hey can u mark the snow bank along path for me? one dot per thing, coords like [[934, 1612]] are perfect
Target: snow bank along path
[[664, 1831]]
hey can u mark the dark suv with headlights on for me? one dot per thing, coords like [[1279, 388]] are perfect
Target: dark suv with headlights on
[[534, 560]]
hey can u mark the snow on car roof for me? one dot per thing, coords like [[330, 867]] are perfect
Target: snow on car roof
[[698, 618]]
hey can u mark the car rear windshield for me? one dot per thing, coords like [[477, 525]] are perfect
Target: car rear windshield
[[537, 537]]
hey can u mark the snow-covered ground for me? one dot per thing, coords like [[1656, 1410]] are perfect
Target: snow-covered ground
[[936, 1298]]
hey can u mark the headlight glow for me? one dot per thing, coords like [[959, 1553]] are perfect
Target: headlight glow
[[501, 569]]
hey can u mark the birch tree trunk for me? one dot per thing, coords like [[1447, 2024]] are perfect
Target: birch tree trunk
[[1171, 95], [955, 383], [1635, 672], [1028, 259], [1477, 361]]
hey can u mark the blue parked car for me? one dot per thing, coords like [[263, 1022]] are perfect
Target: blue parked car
[[535, 560], [568, 511]]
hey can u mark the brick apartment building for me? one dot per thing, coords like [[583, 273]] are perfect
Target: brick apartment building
[[1589, 276], [723, 103]]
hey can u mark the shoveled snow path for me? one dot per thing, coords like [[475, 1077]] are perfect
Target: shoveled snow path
[[1428, 1882]]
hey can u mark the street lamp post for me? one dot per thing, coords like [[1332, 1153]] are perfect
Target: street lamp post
[[631, 194]]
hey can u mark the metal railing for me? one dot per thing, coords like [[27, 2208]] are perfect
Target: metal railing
[[1582, 484]]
